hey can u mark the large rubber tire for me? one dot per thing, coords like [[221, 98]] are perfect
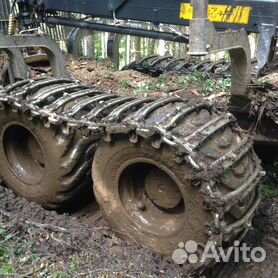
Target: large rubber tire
[[163, 229], [43, 164], [157, 200]]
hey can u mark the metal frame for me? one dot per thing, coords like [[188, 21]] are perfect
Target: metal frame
[[263, 18], [113, 45], [74, 38], [205, 40], [17, 63], [160, 11], [12, 45], [115, 28]]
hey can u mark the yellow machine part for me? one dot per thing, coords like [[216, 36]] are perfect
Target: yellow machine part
[[220, 13]]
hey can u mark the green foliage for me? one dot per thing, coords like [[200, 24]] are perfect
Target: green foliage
[[125, 84], [3, 233], [73, 267], [157, 85], [22, 246], [269, 192], [60, 274], [21, 252], [262, 80], [197, 80], [6, 268], [204, 84]]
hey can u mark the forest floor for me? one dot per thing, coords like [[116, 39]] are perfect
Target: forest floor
[[104, 75], [35, 242]]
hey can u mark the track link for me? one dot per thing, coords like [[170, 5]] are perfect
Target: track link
[[156, 65], [224, 168]]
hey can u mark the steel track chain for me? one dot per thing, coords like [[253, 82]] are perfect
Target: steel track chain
[[71, 104], [156, 65]]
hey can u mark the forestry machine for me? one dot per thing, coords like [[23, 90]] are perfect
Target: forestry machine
[[165, 170]]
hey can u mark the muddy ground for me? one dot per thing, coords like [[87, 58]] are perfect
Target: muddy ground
[[39, 243]]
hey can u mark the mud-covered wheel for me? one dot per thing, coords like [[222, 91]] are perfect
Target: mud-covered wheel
[[159, 195], [141, 192], [42, 164]]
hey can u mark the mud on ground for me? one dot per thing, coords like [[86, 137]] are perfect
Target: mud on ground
[[39, 243]]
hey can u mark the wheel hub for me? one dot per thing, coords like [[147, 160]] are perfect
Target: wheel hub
[[151, 198], [24, 154], [162, 190]]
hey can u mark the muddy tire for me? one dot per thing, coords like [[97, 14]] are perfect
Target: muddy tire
[[154, 199], [144, 195], [43, 165], [126, 176]]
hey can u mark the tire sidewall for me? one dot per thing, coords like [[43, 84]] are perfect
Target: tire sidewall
[[106, 174], [45, 190]]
